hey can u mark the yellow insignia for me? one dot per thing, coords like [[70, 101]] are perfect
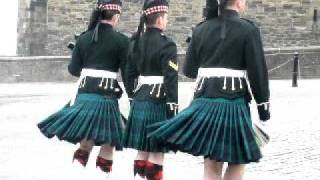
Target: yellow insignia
[[173, 65]]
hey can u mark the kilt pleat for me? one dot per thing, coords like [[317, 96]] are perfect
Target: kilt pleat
[[92, 117], [143, 114], [216, 128]]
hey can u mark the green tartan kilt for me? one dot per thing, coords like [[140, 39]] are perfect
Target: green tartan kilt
[[143, 114], [216, 128], [92, 117]]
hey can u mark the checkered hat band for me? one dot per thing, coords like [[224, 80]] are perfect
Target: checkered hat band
[[110, 7], [156, 9]]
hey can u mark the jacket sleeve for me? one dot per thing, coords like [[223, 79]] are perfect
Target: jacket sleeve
[[76, 64], [131, 71], [170, 72], [257, 72], [191, 65]]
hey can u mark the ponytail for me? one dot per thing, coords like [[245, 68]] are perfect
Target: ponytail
[[94, 19], [138, 48], [139, 31], [94, 23]]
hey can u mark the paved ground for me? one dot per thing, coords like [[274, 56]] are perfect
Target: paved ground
[[293, 153]]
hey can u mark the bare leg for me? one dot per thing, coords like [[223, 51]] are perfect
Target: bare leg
[[234, 172], [86, 145], [106, 152], [212, 170], [142, 155], [156, 158]]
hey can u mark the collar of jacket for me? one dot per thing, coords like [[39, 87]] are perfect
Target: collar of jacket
[[105, 25], [230, 13], [154, 29]]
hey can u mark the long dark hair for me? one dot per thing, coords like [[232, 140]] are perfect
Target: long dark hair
[[94, 19], [140, 31], [96, 16], [137, 51], [148, 21], [138, 48]]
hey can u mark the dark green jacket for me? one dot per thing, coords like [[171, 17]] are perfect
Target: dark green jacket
[[109, 53], [155, 56], [240, 50]]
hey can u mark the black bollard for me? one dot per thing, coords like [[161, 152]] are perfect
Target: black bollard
[[315, 15], [295, 72]]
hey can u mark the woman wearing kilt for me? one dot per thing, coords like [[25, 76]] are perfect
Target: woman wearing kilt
[[153, 63], [92, 117], [226, 56]]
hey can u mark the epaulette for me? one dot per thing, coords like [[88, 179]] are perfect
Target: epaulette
[[249, 21], [125, 34], [200, 23], [77, 35], [164, 36], [167, 38], [188, 40]]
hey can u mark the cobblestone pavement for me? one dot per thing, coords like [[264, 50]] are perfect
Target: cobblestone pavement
[[293, 153]]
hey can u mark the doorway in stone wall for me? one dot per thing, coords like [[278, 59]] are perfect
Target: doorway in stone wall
[[8, 30]]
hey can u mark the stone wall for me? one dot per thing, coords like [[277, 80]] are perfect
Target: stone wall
[[34, 69], [68, 17], [46, 26], [65, 17], [285, 23], [54, 69]]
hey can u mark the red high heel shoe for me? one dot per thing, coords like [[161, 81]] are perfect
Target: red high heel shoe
[[104, 164], [81, 156], [139, 168], [153, 171]]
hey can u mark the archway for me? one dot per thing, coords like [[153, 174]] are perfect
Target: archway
[[32, 27]]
